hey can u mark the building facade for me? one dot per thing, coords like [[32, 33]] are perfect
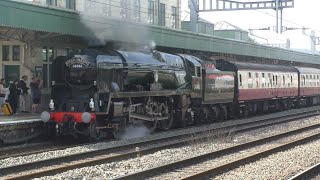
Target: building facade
[[156, 12]]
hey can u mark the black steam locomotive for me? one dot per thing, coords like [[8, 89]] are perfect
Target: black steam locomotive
[[99, 93]]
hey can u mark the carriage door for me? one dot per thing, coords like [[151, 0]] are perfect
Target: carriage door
[[273, 85]]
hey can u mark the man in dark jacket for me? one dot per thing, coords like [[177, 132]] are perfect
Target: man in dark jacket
[[24, 97], [14, 95]]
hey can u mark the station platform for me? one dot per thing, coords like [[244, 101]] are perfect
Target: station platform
[[20, 128], [19, 118]]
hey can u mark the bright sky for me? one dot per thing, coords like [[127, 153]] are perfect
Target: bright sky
[[305, 13]]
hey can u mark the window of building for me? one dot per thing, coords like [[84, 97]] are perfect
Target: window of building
[[136, 10], [51, 53], [124, 12], [5, 53], [44, 53], [71, 4], [174, 17], [52, 2], [151, 12], [283, 80], [240, 80], [162, 14], [249, 74], [16, 53], [257, 75], [106, 10], [48, 56], [263, 75]]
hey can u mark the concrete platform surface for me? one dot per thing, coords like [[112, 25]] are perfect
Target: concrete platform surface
[[19, 118]]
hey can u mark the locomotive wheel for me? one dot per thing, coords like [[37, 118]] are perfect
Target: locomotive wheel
[[189, 117], [119, 132], [167, 124], [95, 134]]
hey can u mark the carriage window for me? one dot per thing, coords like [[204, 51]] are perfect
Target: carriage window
[[249, 74], [240, 80]]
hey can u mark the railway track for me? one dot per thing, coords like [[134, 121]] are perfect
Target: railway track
[[29, 149], [64, 163], [202, 166], [9, 152], [312, 172]]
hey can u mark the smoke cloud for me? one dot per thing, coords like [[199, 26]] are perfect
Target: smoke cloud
[[112, 21], [132, 132]]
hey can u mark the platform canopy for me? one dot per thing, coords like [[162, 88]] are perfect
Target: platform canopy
[[39, 18]]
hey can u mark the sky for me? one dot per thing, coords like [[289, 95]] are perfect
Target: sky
[[305, 13]]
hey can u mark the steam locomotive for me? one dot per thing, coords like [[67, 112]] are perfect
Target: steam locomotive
[[98, 93]]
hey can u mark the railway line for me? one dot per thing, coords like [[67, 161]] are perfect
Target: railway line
[[312, 172], [11, 152], [61, 164], [36, 148], [205, 165]]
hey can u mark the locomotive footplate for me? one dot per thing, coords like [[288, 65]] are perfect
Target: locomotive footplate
[[110, 125], [147, 118]]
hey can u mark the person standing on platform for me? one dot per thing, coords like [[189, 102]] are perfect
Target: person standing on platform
[[3, 92], [14, 95], [35, 94], [24, 94]]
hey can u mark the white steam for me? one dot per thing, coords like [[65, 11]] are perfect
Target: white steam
[[110, 21], [132, 132]]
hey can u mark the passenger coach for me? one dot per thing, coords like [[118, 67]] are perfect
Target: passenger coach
[[262, 87]]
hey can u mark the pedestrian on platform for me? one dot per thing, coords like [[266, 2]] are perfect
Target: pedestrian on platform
[[24, 97], [35, 86], [4, 92], [15, 92]]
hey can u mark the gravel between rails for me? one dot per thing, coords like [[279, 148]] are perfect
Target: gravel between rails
[[79, 149], [281, 165], [115, 169], [187, 171], [4, 151]]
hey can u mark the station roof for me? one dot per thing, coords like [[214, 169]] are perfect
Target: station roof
[[39, 18]]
